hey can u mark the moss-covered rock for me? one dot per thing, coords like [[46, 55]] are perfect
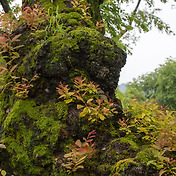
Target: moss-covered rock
[[39, 127], [32, 135], [83, 49]]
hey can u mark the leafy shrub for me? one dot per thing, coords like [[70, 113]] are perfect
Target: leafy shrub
[[156, 127], [79, 153], [86, 95], [80, 4], [22, 87], [33, 18]]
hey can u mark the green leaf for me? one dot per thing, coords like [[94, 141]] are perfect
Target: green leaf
[[101, 116], [81, 160], [80, 167], [162, 172], [70, 94], [68, 101], [67, 166], [3, 173], [88, 101], [80, 106], [78, 143], [68, 155], [84, 112]]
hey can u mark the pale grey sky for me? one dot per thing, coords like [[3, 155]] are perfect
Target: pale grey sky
[[152, 49]]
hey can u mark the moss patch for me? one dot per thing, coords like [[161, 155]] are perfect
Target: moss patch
[[131, 141], [31, 135]]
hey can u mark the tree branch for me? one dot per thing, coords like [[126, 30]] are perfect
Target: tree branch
[[122, 32], [5, 5]]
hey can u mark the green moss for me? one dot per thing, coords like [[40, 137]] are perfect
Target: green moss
[[5, 103], [56, 4], [31, 135], [21, 69], [71, 15], [48, 129], [145, 155], [61, 109], [110, 151], [73, 22], [113, 131], [31, 58], [121, 165], [131, 141], [2, 106], [104, 167], [72, 41]]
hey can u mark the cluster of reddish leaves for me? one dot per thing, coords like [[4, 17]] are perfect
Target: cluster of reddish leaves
[[22, 88], [79, 153], [33, 18], [94, 108], [80, 4], [100, 25]]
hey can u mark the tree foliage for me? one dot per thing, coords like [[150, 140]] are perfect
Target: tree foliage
[[123, 17], [159, 85], [166, 82]]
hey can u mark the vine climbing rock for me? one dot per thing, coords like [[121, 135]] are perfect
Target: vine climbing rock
[[37, 128]]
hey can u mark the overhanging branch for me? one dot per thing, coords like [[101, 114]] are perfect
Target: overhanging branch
[[5, 5], [122, 32]]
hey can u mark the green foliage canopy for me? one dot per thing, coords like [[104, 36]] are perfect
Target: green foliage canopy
[[121, 17], [166, 82], [159, 85]]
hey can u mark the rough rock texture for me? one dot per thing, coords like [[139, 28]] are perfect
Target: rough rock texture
[[38, 128], [82, 50]]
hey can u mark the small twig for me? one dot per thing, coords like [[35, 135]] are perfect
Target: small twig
[[122, 32]]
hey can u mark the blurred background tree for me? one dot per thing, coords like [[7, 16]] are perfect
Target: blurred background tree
[[159, 85]]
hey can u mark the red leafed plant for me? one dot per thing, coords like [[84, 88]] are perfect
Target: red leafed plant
[[33, 17], [79, 153], [22, 87], [30, 18], [86, 95]]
